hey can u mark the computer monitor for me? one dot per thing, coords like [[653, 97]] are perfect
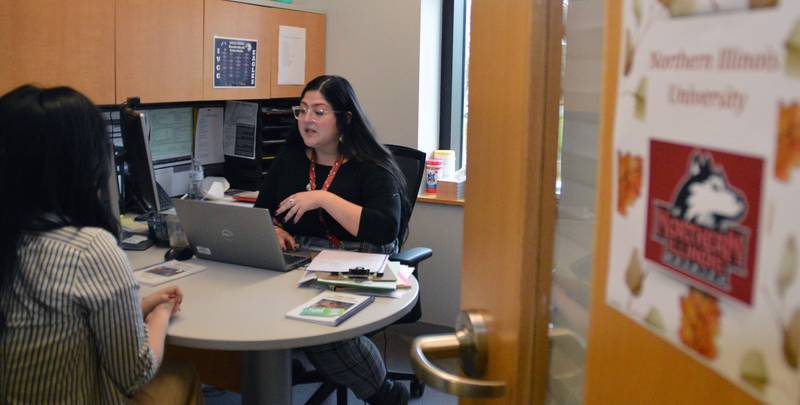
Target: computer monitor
[[109, 194], [141, 187], [170, 134]]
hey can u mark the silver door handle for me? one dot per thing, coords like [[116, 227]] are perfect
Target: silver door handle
[[469, 343]]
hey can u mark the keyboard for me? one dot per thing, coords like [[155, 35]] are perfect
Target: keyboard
[[295, 260]]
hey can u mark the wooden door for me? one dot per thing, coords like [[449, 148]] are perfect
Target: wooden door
[[509, 214], [510, 196], [627, 364], [159, 50], [314, 25], [55, 43], [243, 21]]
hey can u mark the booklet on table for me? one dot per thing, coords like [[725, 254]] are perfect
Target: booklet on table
[[165, 272], [330, 308]]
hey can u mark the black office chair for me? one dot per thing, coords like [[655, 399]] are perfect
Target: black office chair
[[412, 163]]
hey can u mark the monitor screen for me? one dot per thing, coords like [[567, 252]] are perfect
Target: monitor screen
[[171, 132], [141, 187]]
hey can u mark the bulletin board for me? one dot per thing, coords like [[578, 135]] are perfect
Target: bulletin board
[[706, 185]]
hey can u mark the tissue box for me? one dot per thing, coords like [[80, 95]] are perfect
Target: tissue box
[[450, 188]]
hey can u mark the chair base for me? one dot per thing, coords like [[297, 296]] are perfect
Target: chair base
[[416, 386]]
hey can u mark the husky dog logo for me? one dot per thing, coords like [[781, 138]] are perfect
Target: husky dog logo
[[699, 230], [706, 198], [702, 217]]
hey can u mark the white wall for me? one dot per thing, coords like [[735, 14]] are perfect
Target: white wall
[[376, 44]]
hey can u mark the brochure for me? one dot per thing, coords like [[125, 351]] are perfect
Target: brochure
[[402, 272], [165, 272], [330, 308]]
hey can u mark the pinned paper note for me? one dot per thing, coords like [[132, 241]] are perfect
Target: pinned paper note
[[291, 55], [208, 136]]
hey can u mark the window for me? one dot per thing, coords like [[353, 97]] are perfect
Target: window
[[455, 69]]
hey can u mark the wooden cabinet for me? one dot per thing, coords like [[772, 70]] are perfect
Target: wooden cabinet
[[54, 42], [243, 21], [159, 50], [315, 47]]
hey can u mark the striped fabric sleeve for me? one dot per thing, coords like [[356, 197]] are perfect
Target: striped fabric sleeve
[[110, 295]]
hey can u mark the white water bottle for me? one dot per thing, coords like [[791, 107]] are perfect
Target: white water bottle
[[196, 180]]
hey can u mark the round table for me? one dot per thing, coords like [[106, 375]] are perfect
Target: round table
[[239, 308]]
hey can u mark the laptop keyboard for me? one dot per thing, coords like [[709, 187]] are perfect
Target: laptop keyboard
[[290, 259]]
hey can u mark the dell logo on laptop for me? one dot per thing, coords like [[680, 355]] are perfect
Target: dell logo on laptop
[[227, 234]]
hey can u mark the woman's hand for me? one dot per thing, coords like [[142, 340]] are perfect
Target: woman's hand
[[164, 310], [297, 204], [285, 239], [165, 295]]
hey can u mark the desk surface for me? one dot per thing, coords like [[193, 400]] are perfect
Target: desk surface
[[231, 307]]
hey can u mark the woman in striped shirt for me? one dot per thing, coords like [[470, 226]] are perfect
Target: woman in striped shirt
[[72, 326]]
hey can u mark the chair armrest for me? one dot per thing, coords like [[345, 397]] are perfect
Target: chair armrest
[[412, 257]]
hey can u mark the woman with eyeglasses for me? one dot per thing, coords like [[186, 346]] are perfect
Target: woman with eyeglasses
[[335, 186], [73, 328]]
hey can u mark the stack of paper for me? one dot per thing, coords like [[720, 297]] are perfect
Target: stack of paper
[[330, 308], [339, 261], [383, 280], [394, 283]]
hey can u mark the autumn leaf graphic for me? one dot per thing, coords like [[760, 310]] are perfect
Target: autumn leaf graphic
[[629, 181], [634, 275], [791, 340], [787, 269], [700, 322], [640, 100], [753, 369], [787, 154], [792, 45]]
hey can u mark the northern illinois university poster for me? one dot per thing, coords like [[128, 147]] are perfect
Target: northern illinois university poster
[[706, 221]]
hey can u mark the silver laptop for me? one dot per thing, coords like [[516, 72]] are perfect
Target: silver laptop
[[234, 234]]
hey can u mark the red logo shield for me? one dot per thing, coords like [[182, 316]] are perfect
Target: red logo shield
[[703, 215]]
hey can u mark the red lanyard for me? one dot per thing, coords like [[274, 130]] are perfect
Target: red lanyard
[[312, 185]]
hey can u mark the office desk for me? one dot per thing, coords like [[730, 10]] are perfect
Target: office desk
[[230, 307]]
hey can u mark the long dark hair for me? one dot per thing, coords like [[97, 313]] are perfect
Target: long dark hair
[[358, 140], [54, 162]]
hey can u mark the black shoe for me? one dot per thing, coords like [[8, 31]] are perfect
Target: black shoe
[[391, 393]]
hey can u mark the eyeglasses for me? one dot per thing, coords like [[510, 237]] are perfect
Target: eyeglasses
[[317, 113]]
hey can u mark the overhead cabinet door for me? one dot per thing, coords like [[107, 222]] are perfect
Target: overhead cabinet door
[[53, 43], [159, 50]]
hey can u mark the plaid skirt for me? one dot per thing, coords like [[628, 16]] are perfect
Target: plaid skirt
[[355, 363]]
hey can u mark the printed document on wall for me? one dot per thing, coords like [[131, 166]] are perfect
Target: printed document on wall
[[291, 55], [239, 129], [208, 138]]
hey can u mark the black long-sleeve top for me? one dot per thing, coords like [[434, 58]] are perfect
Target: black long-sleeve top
[[362, 183]]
